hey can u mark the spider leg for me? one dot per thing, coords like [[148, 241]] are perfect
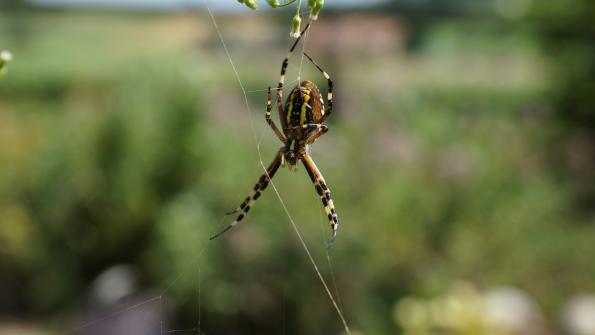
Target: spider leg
[[284, 65], [270, 120], [322, 129], [323, 192], [329, 96], [309, 126], [260, 186]]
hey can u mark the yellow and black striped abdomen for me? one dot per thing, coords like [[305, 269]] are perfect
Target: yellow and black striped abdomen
[[304, 105]]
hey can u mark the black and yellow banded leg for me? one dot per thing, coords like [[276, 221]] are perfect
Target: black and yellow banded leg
[[289, 53], [284, 65], [323, 192], [329, 96], [260, 186], [270, 120]]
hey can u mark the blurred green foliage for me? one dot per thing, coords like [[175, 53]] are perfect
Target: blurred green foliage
[[125, 137], [568, 33]]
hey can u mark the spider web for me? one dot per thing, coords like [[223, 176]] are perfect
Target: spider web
[[262, 164], [157, 301]]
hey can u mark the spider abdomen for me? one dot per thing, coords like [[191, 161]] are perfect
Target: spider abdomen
[[304, 105]]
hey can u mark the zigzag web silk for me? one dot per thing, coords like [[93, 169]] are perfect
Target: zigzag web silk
[[158, 299]]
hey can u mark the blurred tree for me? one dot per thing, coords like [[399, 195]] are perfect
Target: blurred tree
[[568, 30], [13, 4], [443, 8]]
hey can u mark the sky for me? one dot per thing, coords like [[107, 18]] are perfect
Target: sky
[[216, 5]]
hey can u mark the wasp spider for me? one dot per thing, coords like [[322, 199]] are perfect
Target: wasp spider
[[301, 121]]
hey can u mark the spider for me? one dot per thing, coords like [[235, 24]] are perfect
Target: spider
[[301, 121]]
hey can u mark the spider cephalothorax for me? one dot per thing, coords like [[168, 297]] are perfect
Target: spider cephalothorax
[[302, 119]]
